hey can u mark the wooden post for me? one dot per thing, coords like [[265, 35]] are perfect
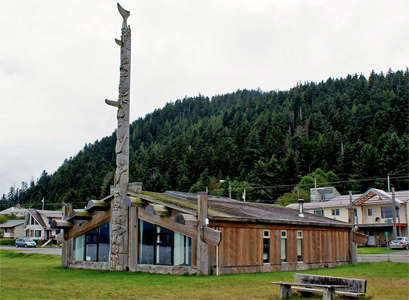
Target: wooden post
[[202, 256], [133, 239], [328, 294], [67, 208], [285, 291]]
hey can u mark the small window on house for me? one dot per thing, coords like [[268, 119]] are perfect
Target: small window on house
[[319, 212], [299, 245], [266, 246], [369, 212], [386, 212], [283, 247], [335, 212], [38, 233]]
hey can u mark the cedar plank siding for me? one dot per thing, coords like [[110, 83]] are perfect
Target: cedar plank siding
[[242, 246]]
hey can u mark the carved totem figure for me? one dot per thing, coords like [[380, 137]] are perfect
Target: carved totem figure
[[121, 203]]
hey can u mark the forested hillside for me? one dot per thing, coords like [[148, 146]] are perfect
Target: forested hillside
[[355, 127]]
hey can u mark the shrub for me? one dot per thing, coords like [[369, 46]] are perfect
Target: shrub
[[7, 242]]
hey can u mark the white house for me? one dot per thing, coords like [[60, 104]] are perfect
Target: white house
[[373, 212], [37, 224]]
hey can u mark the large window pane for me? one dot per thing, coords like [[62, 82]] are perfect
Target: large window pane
[[78, 248], [103, 236], [163, 246], [92, 245], [158, 245], [91, 252], [146, 244], [103, 252]]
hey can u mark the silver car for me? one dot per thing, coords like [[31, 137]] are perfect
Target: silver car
[[400, 242], [25, 242]]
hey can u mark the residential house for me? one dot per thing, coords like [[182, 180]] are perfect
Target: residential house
[[373, 213], [13, 228], [179, 233], [37, 224], [15, 210]]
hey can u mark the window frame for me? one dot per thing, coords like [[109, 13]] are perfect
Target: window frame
[[187, 244], [97, 242], [266, 246], [335, 211], [370, 212], [299, 237], [385, 213], [283, 241]]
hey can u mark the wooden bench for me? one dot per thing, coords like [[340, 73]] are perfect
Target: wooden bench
[[327, 285]]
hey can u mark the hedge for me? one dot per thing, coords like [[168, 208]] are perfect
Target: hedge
[[7, 242]]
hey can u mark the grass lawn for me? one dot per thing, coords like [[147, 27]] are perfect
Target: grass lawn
[[377, 250], [39, 276]]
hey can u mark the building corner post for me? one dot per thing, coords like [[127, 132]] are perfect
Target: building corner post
[[202, 247], [67, 208]]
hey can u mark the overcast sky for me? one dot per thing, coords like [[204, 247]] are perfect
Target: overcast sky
[[58, 61]]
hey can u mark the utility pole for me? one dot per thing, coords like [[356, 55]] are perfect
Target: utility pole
[[244, 195], [393, 214], [388, 180], [229, 189], [43, 203]]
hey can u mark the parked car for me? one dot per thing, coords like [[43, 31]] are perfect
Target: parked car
[[25, 242], [399, 243]]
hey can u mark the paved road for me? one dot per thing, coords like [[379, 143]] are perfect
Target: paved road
[[45, 250], [396, 256]]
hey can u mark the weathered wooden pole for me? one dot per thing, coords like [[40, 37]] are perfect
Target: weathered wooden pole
[[202, 247], [120, 204], [67, 208]]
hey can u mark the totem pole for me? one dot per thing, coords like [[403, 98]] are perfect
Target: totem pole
[[120, 204]]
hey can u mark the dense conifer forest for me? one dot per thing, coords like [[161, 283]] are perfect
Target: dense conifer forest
[[350, 133]]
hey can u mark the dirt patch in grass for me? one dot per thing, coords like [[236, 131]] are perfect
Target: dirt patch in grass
[[33, 276]]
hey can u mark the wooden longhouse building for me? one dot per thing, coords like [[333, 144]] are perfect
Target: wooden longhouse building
[[180, 233]]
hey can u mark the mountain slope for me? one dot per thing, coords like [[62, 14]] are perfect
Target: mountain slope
[[355, 127]]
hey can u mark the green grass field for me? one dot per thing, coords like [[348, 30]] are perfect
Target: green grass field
[[39, 276], [377, 250]]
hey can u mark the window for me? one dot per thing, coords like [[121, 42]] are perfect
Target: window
[[319, 212], [283, 247], [92, 245], [266, 246], [299, 245], [335, 212], [386, 212], [161, 246], [32, 221], [369, 212], [37, 233]]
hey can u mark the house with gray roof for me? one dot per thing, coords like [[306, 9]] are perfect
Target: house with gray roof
[[37, 224], [13, 228], [380, 215]]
